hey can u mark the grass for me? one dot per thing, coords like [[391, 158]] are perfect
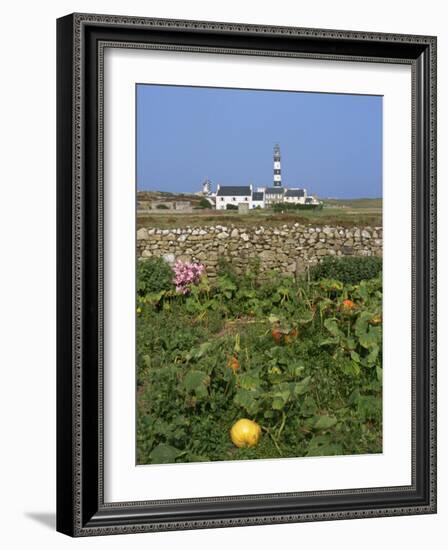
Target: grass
[[355, 204], [344, 213]]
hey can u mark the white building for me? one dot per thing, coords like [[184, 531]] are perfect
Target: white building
[[229, 196], [273, 195], [257, 199], [295, 196]]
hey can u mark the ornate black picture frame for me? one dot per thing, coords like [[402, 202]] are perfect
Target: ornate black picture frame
[[81, 509]]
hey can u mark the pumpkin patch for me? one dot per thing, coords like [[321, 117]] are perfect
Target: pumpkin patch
[[243, 368]]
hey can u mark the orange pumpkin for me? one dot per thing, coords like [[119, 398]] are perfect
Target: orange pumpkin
[[348, 305], [233, 363]]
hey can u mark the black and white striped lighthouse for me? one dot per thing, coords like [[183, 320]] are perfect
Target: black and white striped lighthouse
[[277, 167]]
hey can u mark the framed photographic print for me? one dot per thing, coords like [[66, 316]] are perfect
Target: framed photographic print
[[246, 274]]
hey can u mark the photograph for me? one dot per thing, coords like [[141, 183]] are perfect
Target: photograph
[[246, 274], [258, 294]]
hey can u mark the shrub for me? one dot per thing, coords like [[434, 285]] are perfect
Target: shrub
[[226, 268], [162, 207], [231, 207], [153, 275], [347, 269], [204, 203]]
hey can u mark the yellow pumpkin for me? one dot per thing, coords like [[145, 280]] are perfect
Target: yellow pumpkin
[[245, 433]]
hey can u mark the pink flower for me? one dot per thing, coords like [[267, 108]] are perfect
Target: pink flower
[[186, 274]]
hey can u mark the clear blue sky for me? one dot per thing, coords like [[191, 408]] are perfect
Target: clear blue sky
[[331, 144]]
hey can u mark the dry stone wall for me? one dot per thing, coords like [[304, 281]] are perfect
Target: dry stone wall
[[287, 248]]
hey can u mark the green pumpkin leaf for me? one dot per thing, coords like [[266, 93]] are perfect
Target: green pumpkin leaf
[[246, 399], [373, 355], [362, 322], [379, 373], [309, 406], [306, 318], [324, 422], [295, 368], [328, 342], [332, 326], [321, 445], [203, 349], [164, 454], [249, 382], [351, 343], [154, 297], [368, 340], [196, 381], [302, 387], [278, 403]]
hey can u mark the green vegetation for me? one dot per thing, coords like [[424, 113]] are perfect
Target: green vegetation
[[289, 207], [347, 269], [167, 196], [346, 213], [354, 204], [302, 359], [203, 203], [153, 275]]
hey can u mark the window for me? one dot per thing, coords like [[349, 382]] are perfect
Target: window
[[222, 198], [233, 198]]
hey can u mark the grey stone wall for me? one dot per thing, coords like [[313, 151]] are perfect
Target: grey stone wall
[[287, 248], [150, 206]]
